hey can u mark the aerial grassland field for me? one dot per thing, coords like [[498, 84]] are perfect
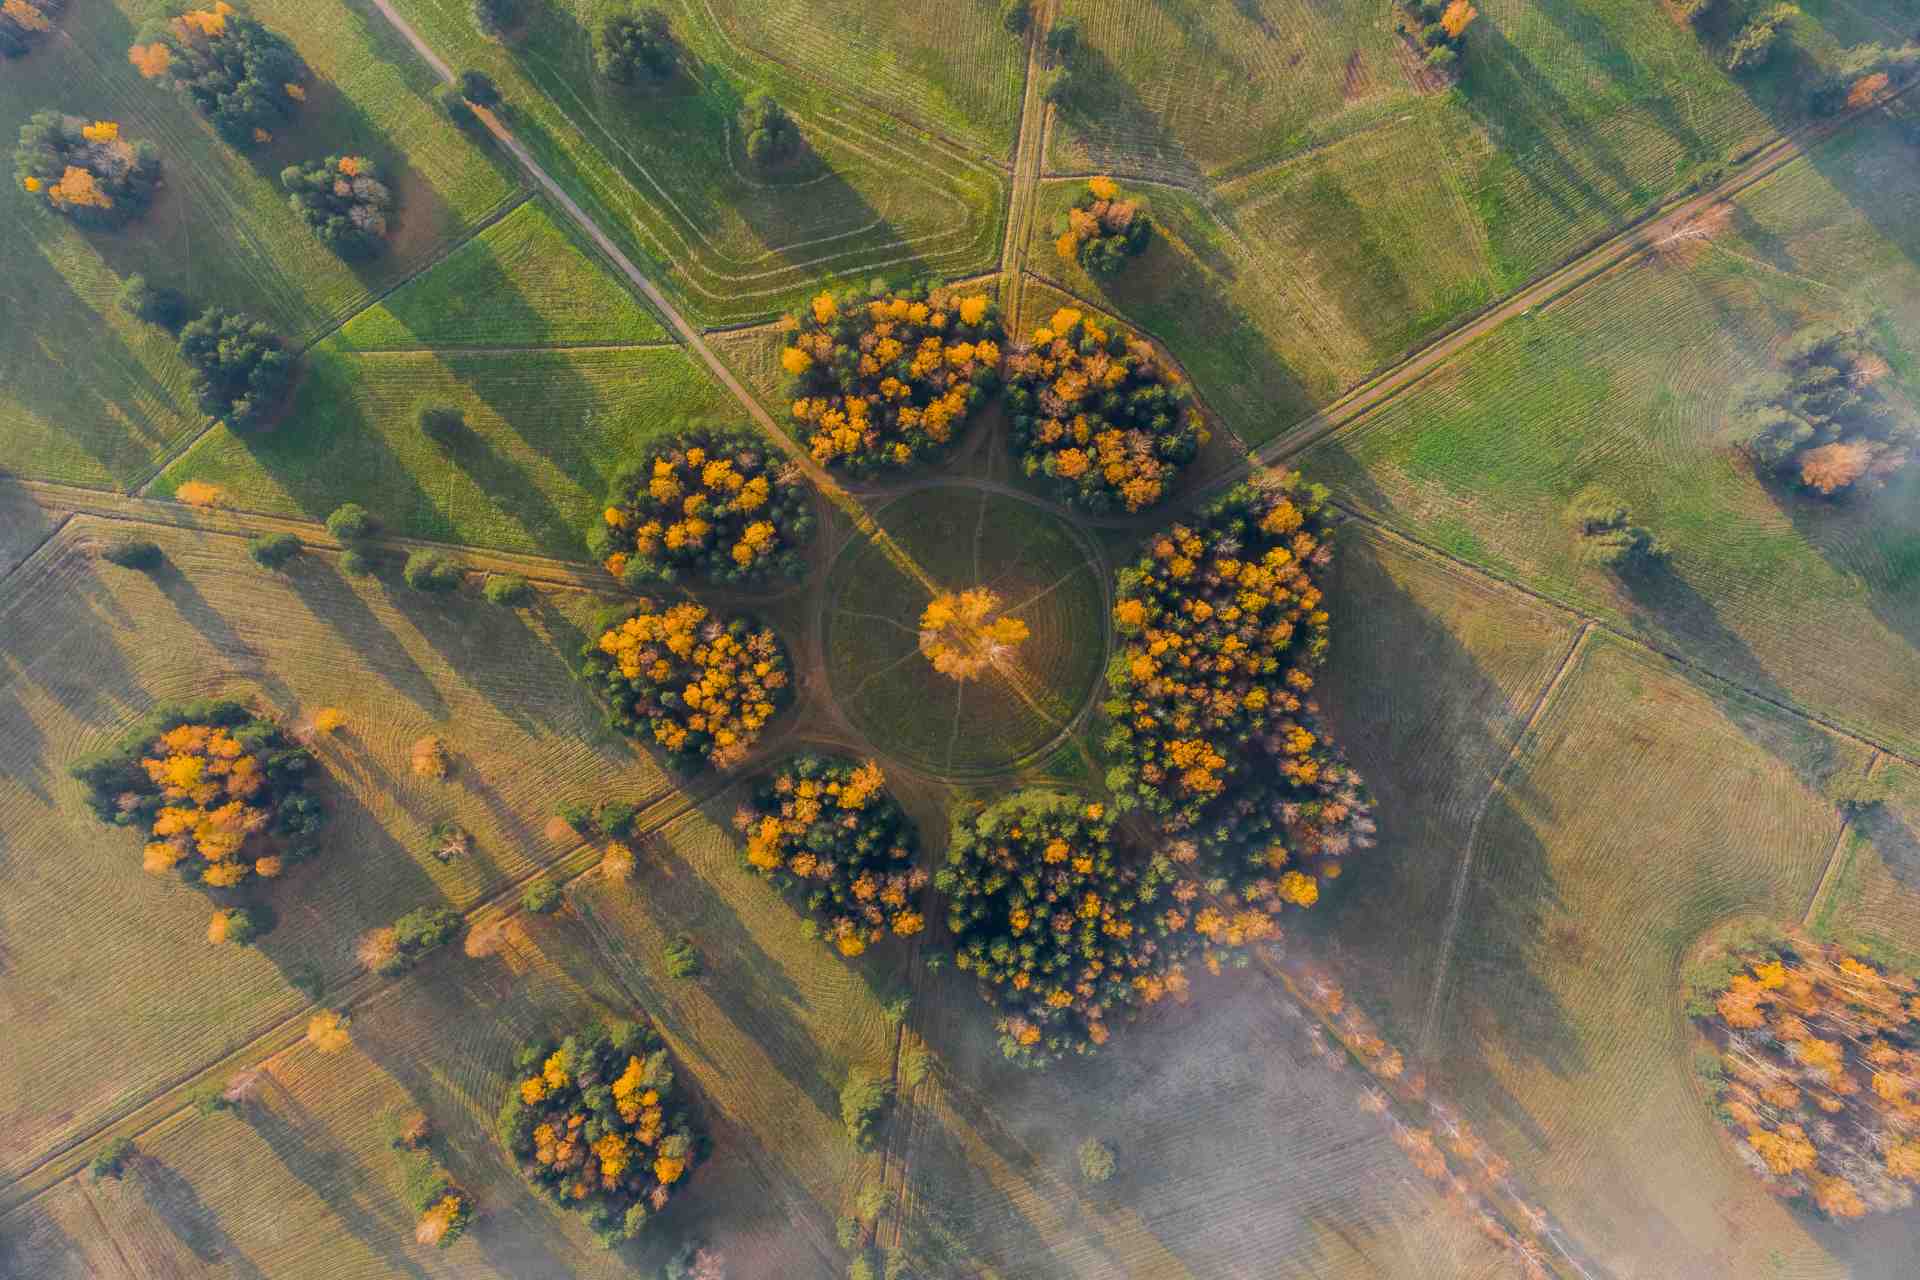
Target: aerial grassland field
[[663, 169], [1627, 384], [94, 396], [545, 431], [1644, 809], [99, 954], [1873, 899]]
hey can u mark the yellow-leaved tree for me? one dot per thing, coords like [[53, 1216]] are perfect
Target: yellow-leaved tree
[[964, 633]]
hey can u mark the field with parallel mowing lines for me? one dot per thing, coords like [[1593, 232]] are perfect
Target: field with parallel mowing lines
[[664, 172], [525, 281], [948, 64], [1806, 601], [108, 965], [90, 394], [964, 537], [546, 430], [1240, 1155], [1642, 811], [1873, 899], [1432, 675]]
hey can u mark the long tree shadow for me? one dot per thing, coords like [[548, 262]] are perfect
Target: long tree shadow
[[332, 600], [240, 658], [177, 1204], [1117, 127]]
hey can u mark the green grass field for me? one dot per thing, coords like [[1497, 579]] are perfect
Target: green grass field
[[526, 281], [1642, 811], [98, 953], [964, 537], [663, 170], [546, 432], [92, 396], [1873, 901], [1765, 587]]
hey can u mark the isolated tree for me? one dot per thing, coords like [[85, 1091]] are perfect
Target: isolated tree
[[681, 957], [247, 80], [458, 108], [478, 87], [1096, 1161], [1103, 229], [965, 633], [495, 17], [1760, 38], [25, 22], [772, 137], [1609, 536], [428, 758], [635, 47], [351, 522], [327, 1031], [863, 1103], [132, 553], [273, 550], [241, 369], [85, 171], [159, 305], [443, 424], [1017, 16], [113, 1159], [343, 200], [541, 897]]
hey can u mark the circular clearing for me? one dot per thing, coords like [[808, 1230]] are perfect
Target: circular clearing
[[962, 536]]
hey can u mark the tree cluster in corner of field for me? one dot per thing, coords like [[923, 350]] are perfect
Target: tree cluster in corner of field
[[708, 503], [1436, 27], [247, 79], [85, 170], [1104, 228], [1828, 418]]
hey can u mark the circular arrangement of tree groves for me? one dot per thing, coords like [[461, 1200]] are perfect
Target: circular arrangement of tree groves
[[1046, 576]]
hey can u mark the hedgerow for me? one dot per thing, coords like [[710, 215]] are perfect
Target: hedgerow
[[829, 830], [886, 381], [1100, 413]]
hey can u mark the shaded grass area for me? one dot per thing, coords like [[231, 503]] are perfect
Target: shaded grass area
[[952, 65], [964, 537], [528, 280], [1627, 385], [545, 431], [1874, 901], [1643, 811], [1432, 676], [91, 395], [663, 170], [93, 952]]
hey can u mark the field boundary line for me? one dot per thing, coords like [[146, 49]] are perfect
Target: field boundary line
[[362, 988], [1457, 900], [559, 348], [1836, 856], [1029, 164], [493, 217], [34, 551]]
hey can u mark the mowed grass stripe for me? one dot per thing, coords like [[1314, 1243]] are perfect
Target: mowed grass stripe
[[1641, 812], [89, 648], [526, 281], [546, 430]]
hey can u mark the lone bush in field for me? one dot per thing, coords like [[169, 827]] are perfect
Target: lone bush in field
[[273, 550], [241, 369], [1210, 726], [246, 79], [445, 1208], [23, 23], [1823, 420], [1608, 534], [443, 424], [885, 381], [707, 503], [541, 897], [343, 200], [1759, 39], [432, 571], [85, 170], [1096, 1161], [153, 304], [635, 47], [681, 957], [863, 1103], [1100, 414], [699, 689], [220, 791], [113, 1159], [133, 553], [593, 1121], [829, 831], [1818, 1074], [772, 137], [1104, 229], [478, 86]]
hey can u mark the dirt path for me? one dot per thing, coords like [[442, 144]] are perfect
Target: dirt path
[[1029, 158]]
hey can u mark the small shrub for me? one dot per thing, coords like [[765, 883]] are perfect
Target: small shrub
[[1017, 17], [863, 1101], [449, 841], [432, 571], [132, 553], [915, 1064], [355, 563], [1608, 534], [541, 897], [273, 550], [618, 863], [1096, 1161], [201, 493], [615, 817], [350, 522], [161, 306], [327, 1031], [308, 980], [236, 925], [210, 1099], [682, 958], [1759, 40], [478, 86], [508, 590], [113, 1159], [896, 1009]]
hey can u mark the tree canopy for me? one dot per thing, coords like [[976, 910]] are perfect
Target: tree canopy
[[1103, 228], [634, 47], [343, 200], [772, 137], [246, 79], [85, 170], [24, 22], [1825, 419], [240, 368]]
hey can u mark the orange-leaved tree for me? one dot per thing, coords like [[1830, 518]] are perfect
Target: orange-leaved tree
[[963, 633]]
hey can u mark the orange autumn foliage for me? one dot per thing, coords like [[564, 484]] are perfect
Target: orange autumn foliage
[[964, 633]]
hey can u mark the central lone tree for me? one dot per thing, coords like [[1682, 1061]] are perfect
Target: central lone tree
[[966, 632]]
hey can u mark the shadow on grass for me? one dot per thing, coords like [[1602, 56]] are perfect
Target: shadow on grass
[[1115, 124], [178, 1206], [240, 659], [331, 599]]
